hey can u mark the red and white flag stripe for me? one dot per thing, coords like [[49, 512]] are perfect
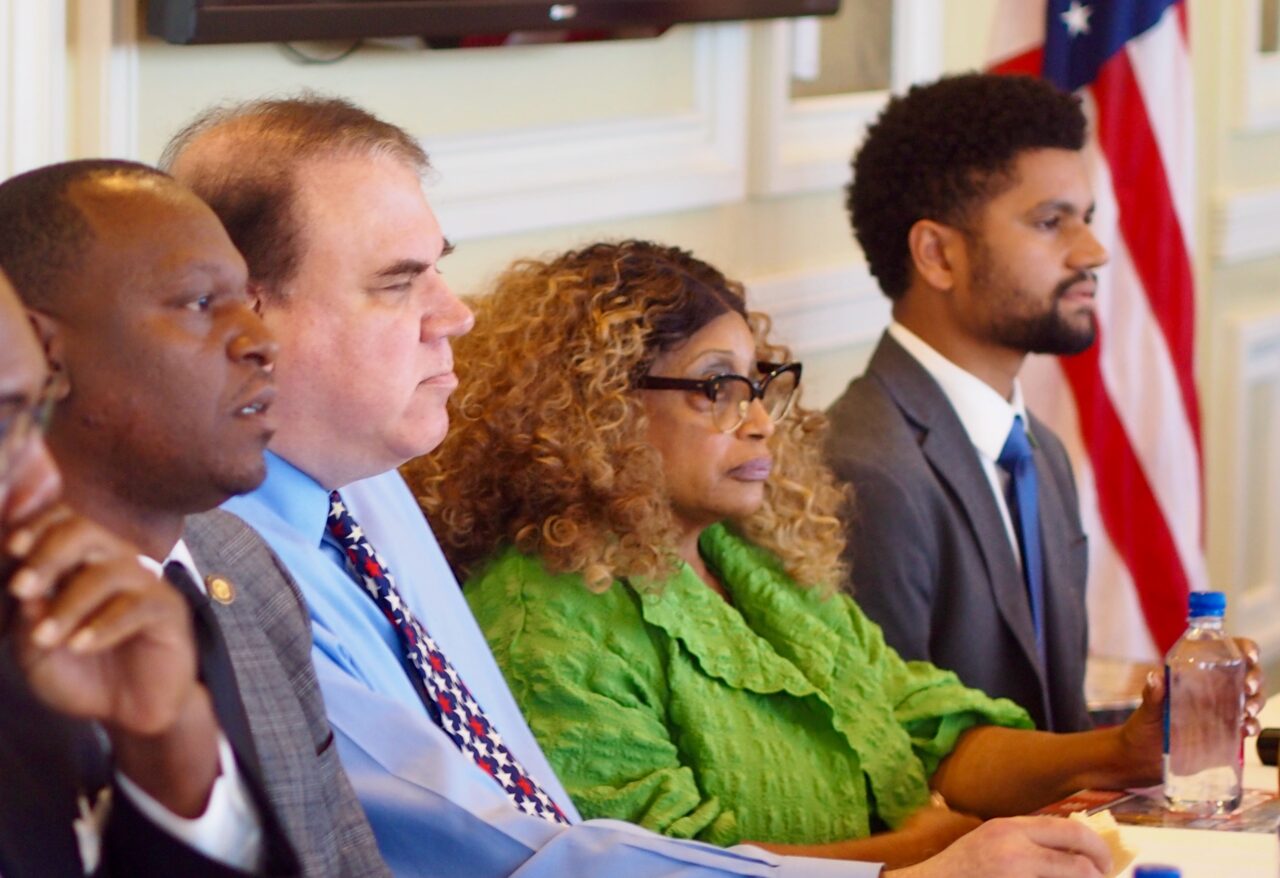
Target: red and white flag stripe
[[1128, 409]]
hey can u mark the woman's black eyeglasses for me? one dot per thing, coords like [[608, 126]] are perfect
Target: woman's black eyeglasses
[[731, 395]]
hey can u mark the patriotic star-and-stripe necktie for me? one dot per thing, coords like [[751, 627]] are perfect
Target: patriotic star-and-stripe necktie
[[447, 698]]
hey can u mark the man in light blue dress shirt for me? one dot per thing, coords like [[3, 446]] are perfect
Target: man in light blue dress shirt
[[326, 203]]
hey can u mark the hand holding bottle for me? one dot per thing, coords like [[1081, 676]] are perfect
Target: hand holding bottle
[[1207, 710], [1143, 733]]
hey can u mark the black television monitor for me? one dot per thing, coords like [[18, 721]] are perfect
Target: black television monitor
[[256, 21]]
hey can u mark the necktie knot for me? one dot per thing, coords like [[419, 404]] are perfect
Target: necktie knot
[[1017, 447], [180, 578], [339, 522]]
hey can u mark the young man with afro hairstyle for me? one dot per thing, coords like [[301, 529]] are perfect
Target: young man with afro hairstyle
[[972, 201]]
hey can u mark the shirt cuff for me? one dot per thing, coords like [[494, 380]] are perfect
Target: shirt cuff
[[229, 830], [810, 867]]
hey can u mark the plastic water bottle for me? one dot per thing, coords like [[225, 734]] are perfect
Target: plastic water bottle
[[1204, 706]]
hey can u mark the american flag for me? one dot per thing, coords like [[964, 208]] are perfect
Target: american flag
[[1127, 408]]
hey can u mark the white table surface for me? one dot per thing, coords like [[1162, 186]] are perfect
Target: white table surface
[[1203, 853]]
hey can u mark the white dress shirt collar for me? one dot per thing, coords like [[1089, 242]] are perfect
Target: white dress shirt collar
[[985, 415], [183, 556]]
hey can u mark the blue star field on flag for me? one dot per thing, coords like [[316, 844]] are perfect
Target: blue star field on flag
[[1080, 37]]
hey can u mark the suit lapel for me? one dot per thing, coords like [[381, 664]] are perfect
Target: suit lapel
[[217, 670], [314, 812], [951, 455], [249, 624]]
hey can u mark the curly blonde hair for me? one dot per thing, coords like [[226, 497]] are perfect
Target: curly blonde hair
[[547, 448]]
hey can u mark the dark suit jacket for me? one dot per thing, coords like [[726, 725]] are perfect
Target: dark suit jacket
[[46, 763], [313, 825], [268, 634], [931, 560]]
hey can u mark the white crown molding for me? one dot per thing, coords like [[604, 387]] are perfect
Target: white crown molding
[[514, 181], [1246, 225], [33, 63], [805, 145], [822, 310]]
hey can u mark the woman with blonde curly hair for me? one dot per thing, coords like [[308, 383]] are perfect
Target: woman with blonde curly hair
[[652, 548]]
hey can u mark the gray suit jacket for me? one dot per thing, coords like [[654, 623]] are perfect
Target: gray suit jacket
[[931, 559], [268, 634]]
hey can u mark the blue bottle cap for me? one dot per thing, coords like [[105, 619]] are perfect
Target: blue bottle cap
[[1154, 871], [1206, 603]]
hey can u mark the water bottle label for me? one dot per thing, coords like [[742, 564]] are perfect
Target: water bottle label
[[1168, 703]]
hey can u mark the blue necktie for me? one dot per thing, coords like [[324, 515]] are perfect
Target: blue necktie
[[1024, 508]]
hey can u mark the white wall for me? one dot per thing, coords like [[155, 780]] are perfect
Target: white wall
[[1238, 275]]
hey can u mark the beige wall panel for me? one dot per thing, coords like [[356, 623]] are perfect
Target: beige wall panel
[[432, 92]]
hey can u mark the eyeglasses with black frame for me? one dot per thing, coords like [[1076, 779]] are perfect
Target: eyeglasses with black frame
[[731, 395], [20, 419]]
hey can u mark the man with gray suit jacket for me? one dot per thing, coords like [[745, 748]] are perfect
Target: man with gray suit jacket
[[97, 659], [972, 201], [162, 409]]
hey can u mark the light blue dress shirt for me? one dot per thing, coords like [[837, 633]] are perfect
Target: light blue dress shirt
[[434, 812]]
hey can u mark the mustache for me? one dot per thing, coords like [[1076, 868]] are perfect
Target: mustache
[[1079, 277]]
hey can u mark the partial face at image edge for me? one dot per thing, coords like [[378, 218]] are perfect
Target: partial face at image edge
[[28, 478]]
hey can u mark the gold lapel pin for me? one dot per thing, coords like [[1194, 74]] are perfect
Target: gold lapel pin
[[220, 589]]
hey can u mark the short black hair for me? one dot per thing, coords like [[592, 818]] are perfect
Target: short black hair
[[942, 150], [43, 234]]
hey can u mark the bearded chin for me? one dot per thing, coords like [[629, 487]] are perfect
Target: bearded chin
[[1053, 334]]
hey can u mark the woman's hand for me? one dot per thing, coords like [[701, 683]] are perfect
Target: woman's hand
[[930, 830], [1143, 733], [1254, 699]]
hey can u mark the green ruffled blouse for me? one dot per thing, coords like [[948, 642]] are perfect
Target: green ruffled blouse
[[782, 717]]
